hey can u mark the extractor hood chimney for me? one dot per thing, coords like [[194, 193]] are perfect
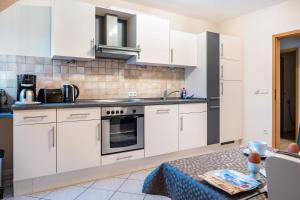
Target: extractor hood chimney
[[114, 35]]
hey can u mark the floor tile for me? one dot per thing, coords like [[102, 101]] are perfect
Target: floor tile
[[40, 194], [156, 197], [127, 196], [108, 184], [140, 175], [85, 185], [68, 193], [132, 186], [95, 194], [124, 176]]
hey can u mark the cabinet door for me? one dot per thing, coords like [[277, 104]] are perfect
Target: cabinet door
[[231, 115], [230, 47], [231, 70], [73, 29], [161, 130], [183, 48], [153, 37], [192, 130], [78, 145], [34, 151]]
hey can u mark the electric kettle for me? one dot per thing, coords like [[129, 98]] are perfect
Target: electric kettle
[[71, 93], [26, 96]]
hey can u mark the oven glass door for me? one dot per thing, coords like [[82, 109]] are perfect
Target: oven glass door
[[122, 133]]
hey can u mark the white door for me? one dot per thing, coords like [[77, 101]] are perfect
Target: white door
[[183, 48], [231, 70], [78, 145], [230, 47], [153, 37], [34, 151], [161, 130], [231, 115], [73, 29], [192, 130]]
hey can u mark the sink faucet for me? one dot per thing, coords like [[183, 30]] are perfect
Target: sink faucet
[[166, 94]]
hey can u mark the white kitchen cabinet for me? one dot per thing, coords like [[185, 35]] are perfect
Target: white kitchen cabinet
[[73, 30], [34, 151], [161, 129], [192, 126], [231, 70], [78, 145], [230, 48], [231, 115], [122, 157], [183, 48], [152, 36]]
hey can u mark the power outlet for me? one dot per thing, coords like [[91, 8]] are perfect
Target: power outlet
[[266, 132], [132, 94]]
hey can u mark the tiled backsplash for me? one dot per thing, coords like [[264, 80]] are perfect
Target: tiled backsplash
[[100, 78]]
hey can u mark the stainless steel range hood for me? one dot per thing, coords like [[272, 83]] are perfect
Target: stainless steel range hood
[[114, 34]]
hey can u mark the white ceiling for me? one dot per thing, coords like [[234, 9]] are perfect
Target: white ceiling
[[211, 10]]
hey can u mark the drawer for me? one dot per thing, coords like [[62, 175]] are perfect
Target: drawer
[[34, 116], [77, 114], [121, 157], [192, 108]]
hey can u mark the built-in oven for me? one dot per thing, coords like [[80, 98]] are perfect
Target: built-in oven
[[122, 129]]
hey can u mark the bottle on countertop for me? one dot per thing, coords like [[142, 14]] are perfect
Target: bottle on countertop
[[183, 93]]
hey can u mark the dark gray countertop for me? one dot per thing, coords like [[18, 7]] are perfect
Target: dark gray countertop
[[110, 103]]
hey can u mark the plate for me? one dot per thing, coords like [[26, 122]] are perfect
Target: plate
[[247, 152], [27, 103]]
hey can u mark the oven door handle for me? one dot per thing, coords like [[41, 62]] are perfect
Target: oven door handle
[[121, 117]]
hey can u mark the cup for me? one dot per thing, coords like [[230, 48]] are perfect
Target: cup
[[259, 146]]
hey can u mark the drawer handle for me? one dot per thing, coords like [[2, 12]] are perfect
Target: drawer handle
[[163, 111], [123, 158], [80, 115], [35, 117], [214, 107]]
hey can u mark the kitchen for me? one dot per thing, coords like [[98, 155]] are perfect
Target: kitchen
[[103, 104]]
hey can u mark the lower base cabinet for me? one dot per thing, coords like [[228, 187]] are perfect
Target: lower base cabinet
[[161, 129], [78, 145], [34, 150]]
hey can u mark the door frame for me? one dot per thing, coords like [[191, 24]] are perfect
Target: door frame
[[276, 86]]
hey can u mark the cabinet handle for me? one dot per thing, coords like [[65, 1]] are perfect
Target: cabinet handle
[[221, 50], [172, 53], [93, 43], [214, 107], [98, 133], [181, 123], [163, 111], [139, 53], [53, 136], [35, 117], [222, 71], [123, 158], [80, 115], [222, 89]]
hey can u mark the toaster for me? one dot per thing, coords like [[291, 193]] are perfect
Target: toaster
[[50, 96]]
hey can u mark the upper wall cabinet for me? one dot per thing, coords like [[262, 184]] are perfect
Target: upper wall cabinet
[[73, 30], [230, 48], [183, 47], [152, 36]]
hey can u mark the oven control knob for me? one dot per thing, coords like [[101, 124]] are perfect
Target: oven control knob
[[134, 111], [121, 111], [108, 112], [112, 112], [117, 112]]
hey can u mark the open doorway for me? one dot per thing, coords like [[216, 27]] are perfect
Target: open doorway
[[289, 91], [285, 92]]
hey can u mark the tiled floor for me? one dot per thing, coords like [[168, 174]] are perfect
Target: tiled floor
[[123, 187]]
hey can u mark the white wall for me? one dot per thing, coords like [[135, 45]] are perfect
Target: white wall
[[26, 26], [256, 30]]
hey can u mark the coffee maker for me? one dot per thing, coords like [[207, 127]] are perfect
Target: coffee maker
[[26, 91]]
